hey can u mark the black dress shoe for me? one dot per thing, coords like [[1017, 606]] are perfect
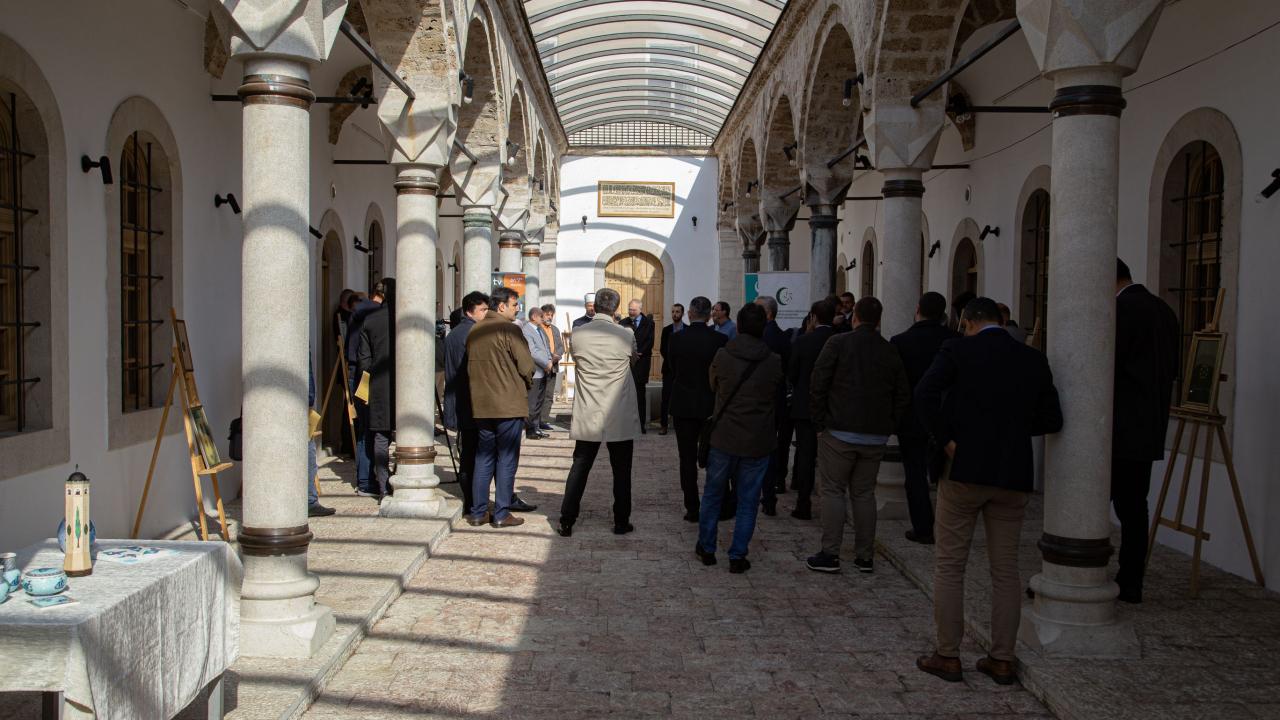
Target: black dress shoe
[[1130, 595], [708, 558], [662, 430], [770, 508], [518, 505], [477, 520], [922, 539], [623, 529], [739, 566], [319, 510], [564, 530], [533, 436], [545, 426], [691, 516], [800, 514]]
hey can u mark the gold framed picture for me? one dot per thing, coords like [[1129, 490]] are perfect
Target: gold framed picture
[[184, 347], [637, 199], [202, 434], [1203, 371]]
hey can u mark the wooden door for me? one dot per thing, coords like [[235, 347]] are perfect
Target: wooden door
[[637, 275]]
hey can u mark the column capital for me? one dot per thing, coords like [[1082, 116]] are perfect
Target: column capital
[[750, 253], [822, 215], [292, 30], [778, 238], [900, 136], [1109, 38], [477, 216]]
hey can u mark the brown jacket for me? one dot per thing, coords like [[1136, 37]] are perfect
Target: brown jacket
[[500, 368], [859, 384], [747, 427]]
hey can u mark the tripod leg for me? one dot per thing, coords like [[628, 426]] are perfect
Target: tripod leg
[[1204, 499], [155, 452], [1244, 519], [1164, 487], [1186, 471], [222, 514], [447, 443]]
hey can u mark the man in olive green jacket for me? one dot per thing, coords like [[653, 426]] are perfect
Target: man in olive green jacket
[[500, 369]]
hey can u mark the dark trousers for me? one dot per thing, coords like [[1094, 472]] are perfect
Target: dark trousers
[[665, 412], [687, 431], [380, 443], [806, 464], [782, 454], [467, 440], [640, 373], [537, 395], [584, 456], [916, 466], [364, 443], [1130, 484], [497, 456], [549, 397]]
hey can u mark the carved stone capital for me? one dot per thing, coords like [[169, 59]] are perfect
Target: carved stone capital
[[1076, 35], [901, 136], [299, 30]]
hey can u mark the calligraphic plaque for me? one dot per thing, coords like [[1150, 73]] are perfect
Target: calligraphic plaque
[[620, 198]]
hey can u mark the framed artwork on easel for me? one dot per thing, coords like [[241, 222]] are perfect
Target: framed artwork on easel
[[1204, 371]]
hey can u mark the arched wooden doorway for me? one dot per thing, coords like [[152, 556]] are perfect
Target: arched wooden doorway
[[964, 269], [331, 284], [637, 275]]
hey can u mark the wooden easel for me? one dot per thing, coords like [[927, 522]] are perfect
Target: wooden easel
[[341, 362], [1214, 424], [185, 377]]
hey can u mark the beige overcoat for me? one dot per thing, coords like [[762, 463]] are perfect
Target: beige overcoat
[[604, 395]]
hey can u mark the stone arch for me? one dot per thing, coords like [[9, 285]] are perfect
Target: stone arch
[[978, 14], [914, 47], [964, 241], [1210, 126], [515, 171], [779, 198], [746, 194], [46, 439], [641, 245], [828, 126], [376, 240], [481, 121], [329, 262], [141, 116]]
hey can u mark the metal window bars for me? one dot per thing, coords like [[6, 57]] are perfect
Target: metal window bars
[[657, 133], [1200, 239], [137, 277], [14, 327], [1035, 228]]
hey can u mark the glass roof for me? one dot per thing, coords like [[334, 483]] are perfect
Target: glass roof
[[670, 67]]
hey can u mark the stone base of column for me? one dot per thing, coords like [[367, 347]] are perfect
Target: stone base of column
[[417, 495], [1075, 616], [299, 637]]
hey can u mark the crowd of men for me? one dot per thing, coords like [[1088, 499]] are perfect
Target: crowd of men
[[750, 401]]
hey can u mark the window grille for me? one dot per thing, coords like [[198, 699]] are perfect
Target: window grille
[[1199, 247], [14, 326], [375, 255], [639, 133], [1035, 266], [138, 235], [964, 269], [868, 270]]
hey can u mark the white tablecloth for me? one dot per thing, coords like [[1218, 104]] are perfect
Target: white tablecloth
[[141, 641]]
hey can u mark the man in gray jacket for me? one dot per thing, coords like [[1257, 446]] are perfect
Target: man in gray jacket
[[556, 342], [542, 364], [858, 394]]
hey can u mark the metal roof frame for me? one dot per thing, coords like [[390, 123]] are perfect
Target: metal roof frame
[[640, 17], [704, 4], [643, 50], [679, 122], [639, 76], [564, 103], [571, 115], [646, 65]]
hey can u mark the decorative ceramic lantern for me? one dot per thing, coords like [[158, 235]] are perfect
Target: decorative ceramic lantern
[[79, 560]]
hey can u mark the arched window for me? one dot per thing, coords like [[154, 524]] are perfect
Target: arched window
[[144, 259], [964, 269], [456, 267], [924, 264], [868, 262], [1191, 261], [375, 254], [1033, 305], [842, 275]]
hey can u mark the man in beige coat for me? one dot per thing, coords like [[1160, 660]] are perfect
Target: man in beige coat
[[604, 410]]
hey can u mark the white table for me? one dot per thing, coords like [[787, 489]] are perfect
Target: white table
[[142, 641]]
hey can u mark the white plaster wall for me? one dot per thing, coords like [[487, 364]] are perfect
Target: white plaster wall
[[1010, 147], [90, 76], [693, 251]]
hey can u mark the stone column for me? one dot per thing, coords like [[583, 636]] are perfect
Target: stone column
[[779, 250], [278, 613], [477, 249], [509, 242], [529, 255], [547, 263], [822, 261], [899, 254], [750, 259], [415, 482], [1074, 613]]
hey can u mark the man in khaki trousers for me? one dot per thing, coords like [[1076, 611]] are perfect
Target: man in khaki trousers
[[983, 398]]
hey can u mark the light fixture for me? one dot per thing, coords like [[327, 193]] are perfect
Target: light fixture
[[355, 241], [726, 206], [230, 199], [934, 248], [314, 232], [852, 264], [863, 162], [584, 223], [468, 87], [988, 230], [752, 184], [695, 221], [958, 107], [1271, 189], [513, 149], [847, 100], [452, 266], [790, 152], [103, 163]]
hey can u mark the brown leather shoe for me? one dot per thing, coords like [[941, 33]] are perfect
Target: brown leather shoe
[[508, 521], [1002, 671], [476, 520], [948, 669]]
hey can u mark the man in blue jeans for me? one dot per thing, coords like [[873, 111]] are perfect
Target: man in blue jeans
[[352, 342], [745, 376]]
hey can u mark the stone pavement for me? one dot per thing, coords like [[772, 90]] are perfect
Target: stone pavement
[[521, 623], [1207, 657]]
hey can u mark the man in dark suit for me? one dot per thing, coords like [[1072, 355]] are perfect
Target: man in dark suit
[[804, 354], [692, 401], [982, 399], [588, 304], [457, 388], [376, 358], [642, 326], [1147, 348], [353, 340], [918, 346], [844, 313], [779, 342], [677, 325]]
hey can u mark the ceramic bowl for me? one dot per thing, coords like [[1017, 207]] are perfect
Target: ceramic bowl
[[62, 535], [12, 580], [44, 581]]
